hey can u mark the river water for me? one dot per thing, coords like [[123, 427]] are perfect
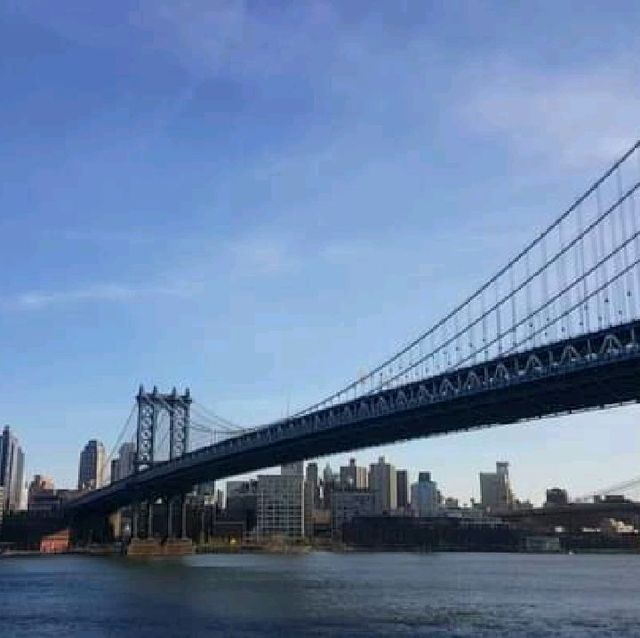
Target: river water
[[322, 594]]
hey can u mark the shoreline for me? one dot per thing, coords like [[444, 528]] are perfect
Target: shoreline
[[283, 551]]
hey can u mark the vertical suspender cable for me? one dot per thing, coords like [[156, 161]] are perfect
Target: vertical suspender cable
[[565, 300], [513, 305], [578, 254], [545, 291], [457, 344], [636, 244], [598, 274], [625, 287], [528, 293], [498, 329], [484, 327], [470, 330], [606, 319]]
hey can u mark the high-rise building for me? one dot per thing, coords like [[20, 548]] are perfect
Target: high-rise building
[[280, 506], [91, 470], [11, 470], [383, 484], [556, 496], [346, 504], [328, 485], [495, 488], [293, 469], [1, 505], [42, 495], [235, 487], [44, 498], [208, 489], [402, 485], [312, 473], [115, 470], [40, 483], [242, 502], [327, 474], [127, 458], [19, 484], [209, 494], [311, 497], [451, 503], [424, 495], [125, 464], [353, 477]]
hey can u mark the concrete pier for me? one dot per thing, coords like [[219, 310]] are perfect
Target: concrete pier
[[140, 548]]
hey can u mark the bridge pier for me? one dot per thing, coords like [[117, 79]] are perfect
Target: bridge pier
[[142, 520], [175, 542], [169, 501], [183, 522], [176, 519], [135, 514]]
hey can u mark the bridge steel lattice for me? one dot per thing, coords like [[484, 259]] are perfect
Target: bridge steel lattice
[[150, 406], [556, 330]]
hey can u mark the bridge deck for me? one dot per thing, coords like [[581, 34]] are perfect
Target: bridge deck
[[574, 374]]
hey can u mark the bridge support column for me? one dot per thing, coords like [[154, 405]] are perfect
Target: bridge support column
[[135, 514], [169, 517], [149, 519], [114, 525], [202, 535], [183, 503], [177, 543]]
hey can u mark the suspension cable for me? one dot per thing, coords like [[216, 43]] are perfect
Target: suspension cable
[[594, 188]]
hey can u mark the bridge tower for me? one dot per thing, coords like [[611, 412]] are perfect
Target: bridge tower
[[147, 426], [179, 412], [150, 406]]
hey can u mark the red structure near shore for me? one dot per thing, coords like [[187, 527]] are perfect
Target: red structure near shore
[[55, 543]]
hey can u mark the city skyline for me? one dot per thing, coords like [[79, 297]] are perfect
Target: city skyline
[[238, 303], [532, 490], [352, 473], [320, 318], [12, 470]]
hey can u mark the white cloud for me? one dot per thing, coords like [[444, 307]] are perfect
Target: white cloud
[[39, 300], [571, 120]]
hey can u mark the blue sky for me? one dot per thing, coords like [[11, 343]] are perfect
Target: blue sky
[[261, 200]]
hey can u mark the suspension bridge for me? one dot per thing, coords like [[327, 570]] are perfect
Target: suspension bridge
[[555, 331]]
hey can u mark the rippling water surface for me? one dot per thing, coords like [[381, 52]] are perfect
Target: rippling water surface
[[322, 594]]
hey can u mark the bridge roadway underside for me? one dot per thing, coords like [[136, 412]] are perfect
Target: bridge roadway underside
[[611, 382]]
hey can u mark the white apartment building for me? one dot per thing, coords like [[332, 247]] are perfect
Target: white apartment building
[[280, 506]]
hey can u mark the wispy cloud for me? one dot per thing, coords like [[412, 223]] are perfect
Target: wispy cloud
[[570, 119], [228, 37], [110, 293], [257, 255], [97, 236]]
